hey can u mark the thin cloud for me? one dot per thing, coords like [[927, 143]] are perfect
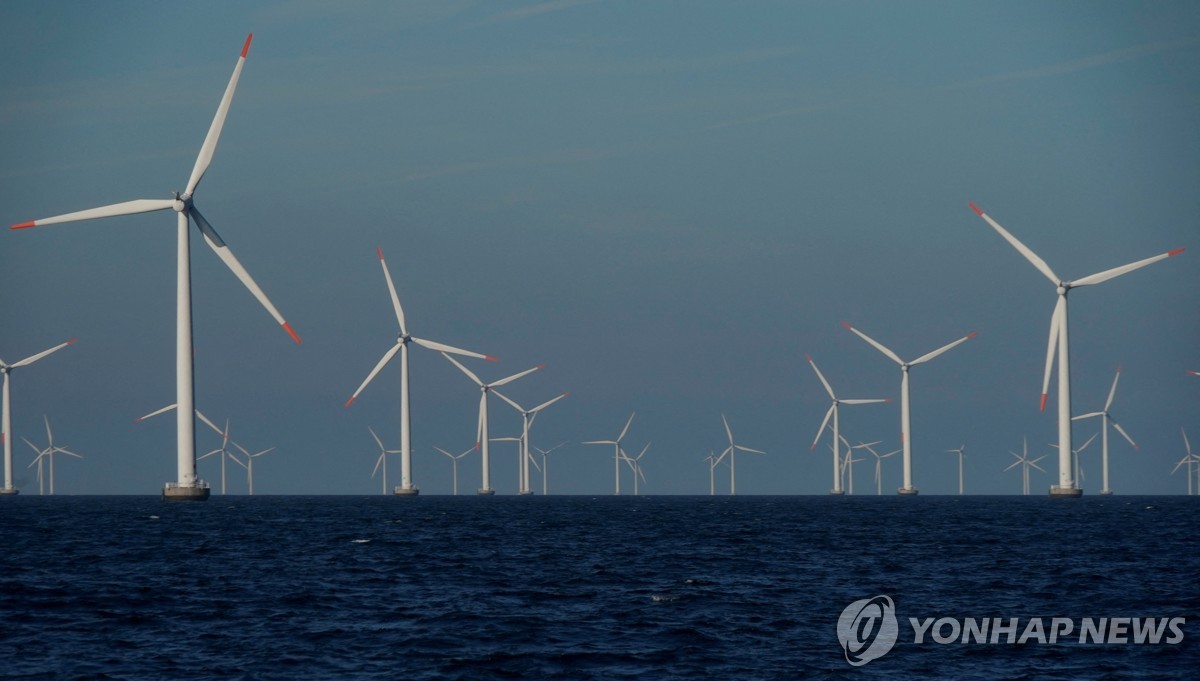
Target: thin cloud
[[535, 10]]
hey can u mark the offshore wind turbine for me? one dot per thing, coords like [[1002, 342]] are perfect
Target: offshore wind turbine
[[249, 464], [546, 463], [878, 464], [454, 460], [527, 418], [47, 453], [381, 462], [833, 411], [1024, 461], [905, 419], [848, 465], [616, 452], [6, 414], [1189, 459], [402, 341], [731, 450], [961, 449], [187, 487], [481, 431], [1066, 487], [1105, 420], [712, 467], [223, 451], [635, 463], [1075, 457]]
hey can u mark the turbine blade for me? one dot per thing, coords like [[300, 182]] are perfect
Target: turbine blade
[[1112, 392], [465, 370], [876, 344], [547, 403], [1051, 347], [626, 428], [1082, 417], [222, 250], [210, 424], [865, 401], [1187, 445], [821, 376], [154, 413], [378, 463], [377, 440], [214, 130], [1084, 445], [441, 347], [33, 358], [125, 208], [824, 422], [387, 357], [1021, 248], [510, 379], [727, 431], [1100, 277], [1122, 432], [747, 449], [392, 292], [925, 358], [516, 406]]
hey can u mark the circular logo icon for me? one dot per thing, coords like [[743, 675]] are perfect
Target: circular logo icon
[[867, 629]]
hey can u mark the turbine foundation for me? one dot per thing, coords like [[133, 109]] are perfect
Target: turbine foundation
[[9, 491], [486, 492], [525, 493], [907, 491], [1106, 492], [405, 491], [173, 491], [837, 492], [1066, 492]]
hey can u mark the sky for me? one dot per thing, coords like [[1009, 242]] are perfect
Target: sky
[[668, 204]]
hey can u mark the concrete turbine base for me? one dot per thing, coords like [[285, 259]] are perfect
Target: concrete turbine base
[[1065, 492], [486, 492], [405, 491], [1106, 492], [837, 492], [174, 492], [9, 491], [525, 493], [907, 491]]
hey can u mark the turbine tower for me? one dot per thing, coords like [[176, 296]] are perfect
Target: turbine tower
[[6, 415], [905, 413], [833, 411], [1058, 341], [406, 487], [1106, 419], [187, 486]]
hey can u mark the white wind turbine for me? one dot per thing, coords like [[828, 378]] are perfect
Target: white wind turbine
[[401, 346], [878, 464], [848, 465], [1024, 461], [381, 462], [960, 451], [223, 452], [454, 460], [731, 450], [905, 418], [249, 464], [1059, 341], [546, 463], [635, 463], [1190, 459], [616, 451], [1105, 420], [47, 453], [712, 467], [6, 414], [482, 427], [1075, 457], [833, 411], [187, 487], [528, 416]]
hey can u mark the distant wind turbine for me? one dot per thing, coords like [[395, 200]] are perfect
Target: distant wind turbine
[[616, 452], [1190, 459], [454, 460], [961, 449], [635, 463], [381, 461], [527, 418], [223, 452], [402, 340], [482, 427], [1106, 419], [6, 415], [879, 464], [1024, 462], [546, 464], [249, 464], [48, 454], [1059, 341], [833, 411], [731, 450], [905, 419], [187, 488]]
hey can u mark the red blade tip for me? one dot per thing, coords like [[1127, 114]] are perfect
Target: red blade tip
[[288, 327], [1177, 251], [491, 359], [972, 335], [380, 252], [72, 341], [1043, 407], [349, 401], [845, 324], [977, 209], [246, 47], [541, 366], [23, 225], [812, 447]]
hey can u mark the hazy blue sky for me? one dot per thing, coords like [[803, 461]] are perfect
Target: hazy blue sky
[[667, 203]]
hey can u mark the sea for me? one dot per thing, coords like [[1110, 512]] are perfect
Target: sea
[[581, 587]]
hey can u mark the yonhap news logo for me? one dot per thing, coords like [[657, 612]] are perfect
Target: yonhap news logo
[[868, 629]]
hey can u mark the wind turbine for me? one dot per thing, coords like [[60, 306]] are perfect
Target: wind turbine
[[1105, 419], [546, 463], [402, 340], [878, 464], [848, 465], [48, 453], [959, 452], [616, 451], [635, 463], [833, 411], [249, 464], [223, 451], [454, 460], [482, 428], [381, 462], [6, 414], [187, 487], [527, 418], [731, 450], [1075, 457], [1059, 341], [905, 420], [1024, 461], [712, 467], [1189, 459]]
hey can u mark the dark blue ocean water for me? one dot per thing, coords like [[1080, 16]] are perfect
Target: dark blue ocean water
[[579, 587]]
